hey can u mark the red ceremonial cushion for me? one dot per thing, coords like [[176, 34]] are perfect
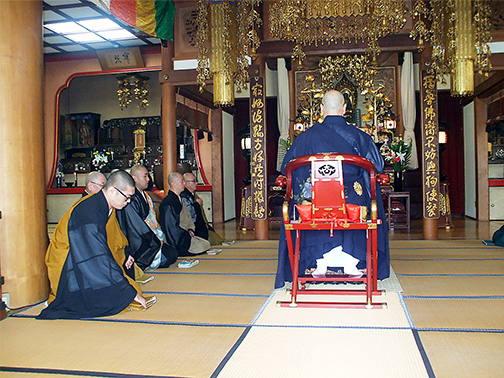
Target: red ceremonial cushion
[[305, 212], [353, 212]]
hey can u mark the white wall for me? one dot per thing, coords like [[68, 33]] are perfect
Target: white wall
[[470, 164], [228, 166]]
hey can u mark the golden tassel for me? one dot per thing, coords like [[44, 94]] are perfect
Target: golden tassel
[[223, 52], [462, 76]]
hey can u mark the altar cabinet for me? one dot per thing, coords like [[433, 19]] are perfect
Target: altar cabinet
[[85, 263], [334, 135]]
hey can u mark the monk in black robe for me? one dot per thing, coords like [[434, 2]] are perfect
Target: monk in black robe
[[95, 182], [189, 198], [139, 224], [86, 256], [174, 218]]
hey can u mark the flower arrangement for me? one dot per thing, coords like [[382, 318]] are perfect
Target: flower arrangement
[[101, 160], [398, 153], [285, 144]]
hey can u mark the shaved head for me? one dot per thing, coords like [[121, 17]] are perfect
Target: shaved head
[[174, 177], [95, 176], [121, 180], [137, 170], [333, 103], [176, 182]]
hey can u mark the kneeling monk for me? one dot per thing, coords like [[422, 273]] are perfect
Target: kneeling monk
[[86, 256]]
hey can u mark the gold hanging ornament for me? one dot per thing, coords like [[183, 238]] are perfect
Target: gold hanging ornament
[[131, 87], [459, 33], [226, 38], [316, 22]]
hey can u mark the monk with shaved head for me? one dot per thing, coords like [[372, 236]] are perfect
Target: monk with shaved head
[[343, 248], [86, 257], [138, 221]]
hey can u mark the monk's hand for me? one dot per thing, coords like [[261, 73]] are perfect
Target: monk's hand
[[191, 233], [141, 300], [129, 262], [200, 201]]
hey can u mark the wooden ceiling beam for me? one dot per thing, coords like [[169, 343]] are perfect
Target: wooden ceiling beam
[[391, 43]]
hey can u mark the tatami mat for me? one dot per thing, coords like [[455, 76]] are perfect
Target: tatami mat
[[312, 352], [204, 309], [441, 244], [457, 313], [142, 349], [392, 316], [222, 305], [474, 267], [228, 266], [209, 283], [465, 354], [448, 289], [11, 374], [465, 285]]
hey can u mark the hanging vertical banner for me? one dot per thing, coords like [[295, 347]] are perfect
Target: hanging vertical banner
[[258, 151], [430, 145]]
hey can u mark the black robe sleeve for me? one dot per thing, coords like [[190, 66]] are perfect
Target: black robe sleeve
[[143, 243]]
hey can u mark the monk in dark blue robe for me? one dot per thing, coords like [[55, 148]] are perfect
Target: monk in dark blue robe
[[337, 136], [86, 257]]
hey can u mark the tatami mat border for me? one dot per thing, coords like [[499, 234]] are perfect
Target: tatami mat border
[[207, 294], [230, 353], [410, 248], [212, 258], [406, 311], [81, 373], [447, 275], [261, 310], [454, 297], [423, 353], [195, 324], [233, 247], [448, 259], [153, 322], [217, 274], [461, 330]]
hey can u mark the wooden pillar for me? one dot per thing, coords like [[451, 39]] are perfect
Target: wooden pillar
[[23, 229], [3, 308], [168, 115], [481, 152], [261, 225], [217, 174], [292, 97], [430, 149]]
